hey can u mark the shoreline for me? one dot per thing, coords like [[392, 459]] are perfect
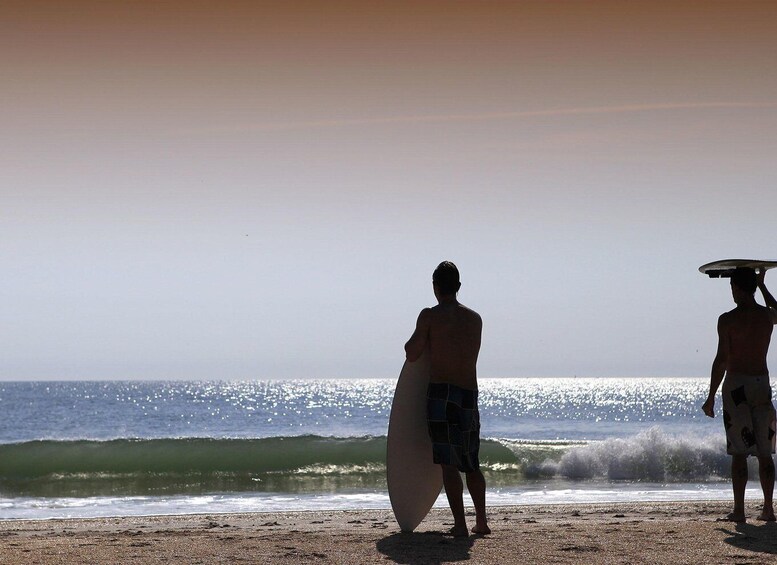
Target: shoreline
[[532, 493], [654, 532]]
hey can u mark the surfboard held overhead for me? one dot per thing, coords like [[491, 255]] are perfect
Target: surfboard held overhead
[[726, 267]]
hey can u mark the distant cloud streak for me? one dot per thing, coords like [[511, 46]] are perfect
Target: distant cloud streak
[[486, 116]]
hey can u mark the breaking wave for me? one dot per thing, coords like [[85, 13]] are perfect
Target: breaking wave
[[309, 464]]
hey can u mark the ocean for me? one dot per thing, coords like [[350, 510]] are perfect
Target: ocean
[[89, 449]]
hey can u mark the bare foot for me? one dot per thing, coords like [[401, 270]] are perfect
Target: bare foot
[[483, 530], [732, 518], [459, 531], [767, 516]]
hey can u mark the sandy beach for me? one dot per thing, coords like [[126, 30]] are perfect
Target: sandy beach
[[676, 532]]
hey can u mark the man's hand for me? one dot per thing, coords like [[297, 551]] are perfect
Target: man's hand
[[709, 407]]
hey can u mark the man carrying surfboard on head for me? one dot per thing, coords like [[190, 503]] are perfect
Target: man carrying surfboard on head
[[749, 416], [452, 332]]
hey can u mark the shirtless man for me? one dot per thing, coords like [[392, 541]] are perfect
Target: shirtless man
[[451, 332], [744, 334]]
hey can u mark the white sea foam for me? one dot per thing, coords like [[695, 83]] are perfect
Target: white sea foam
[[555, 492], [652, 455]]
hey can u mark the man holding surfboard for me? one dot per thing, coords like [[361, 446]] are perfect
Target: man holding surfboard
[[749, 416], [452, 332]]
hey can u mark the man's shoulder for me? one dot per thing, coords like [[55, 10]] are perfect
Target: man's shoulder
[[471, 313], [467, 308], [459, 308], [770, 313], [726, 319], [745, 316], [426, 313]]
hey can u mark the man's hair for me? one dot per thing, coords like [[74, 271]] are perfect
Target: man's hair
[[744, 278], [446, 278]]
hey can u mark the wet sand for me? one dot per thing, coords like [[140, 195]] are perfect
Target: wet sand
[[647, 533]]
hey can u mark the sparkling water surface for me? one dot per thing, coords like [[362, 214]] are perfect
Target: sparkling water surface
[[525, 408]]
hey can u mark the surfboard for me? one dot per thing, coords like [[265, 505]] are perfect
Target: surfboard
[[726, 267], [414, 481]]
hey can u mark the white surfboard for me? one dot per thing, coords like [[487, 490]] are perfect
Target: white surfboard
[[725, 267], [414, 481]]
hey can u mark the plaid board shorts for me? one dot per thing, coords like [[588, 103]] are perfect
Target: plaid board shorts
[[748, 415], [454, 425]]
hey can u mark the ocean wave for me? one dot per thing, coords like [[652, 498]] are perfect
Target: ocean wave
[[652, 456], [307, 464]]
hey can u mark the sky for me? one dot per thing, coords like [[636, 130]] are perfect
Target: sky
[[252, 190]]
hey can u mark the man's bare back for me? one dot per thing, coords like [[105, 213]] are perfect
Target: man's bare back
[[452, 332], [748, 330]]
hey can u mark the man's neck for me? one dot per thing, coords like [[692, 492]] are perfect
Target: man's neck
[[746, 302]]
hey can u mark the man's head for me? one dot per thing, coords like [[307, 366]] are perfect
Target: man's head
[[744, 280], [446, 279]]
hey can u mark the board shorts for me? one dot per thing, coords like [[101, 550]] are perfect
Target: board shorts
[[454, 425], [748, 415]]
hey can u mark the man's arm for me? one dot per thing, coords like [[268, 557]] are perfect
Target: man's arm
[[415, 346], [718, 367], [479, 326], [768, 298]]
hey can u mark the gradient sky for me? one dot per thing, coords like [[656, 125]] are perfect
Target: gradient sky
[[246, 190]]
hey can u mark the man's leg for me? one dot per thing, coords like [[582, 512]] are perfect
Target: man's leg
[[739, 482], [476, 485], [766, 474], [454, 490]]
